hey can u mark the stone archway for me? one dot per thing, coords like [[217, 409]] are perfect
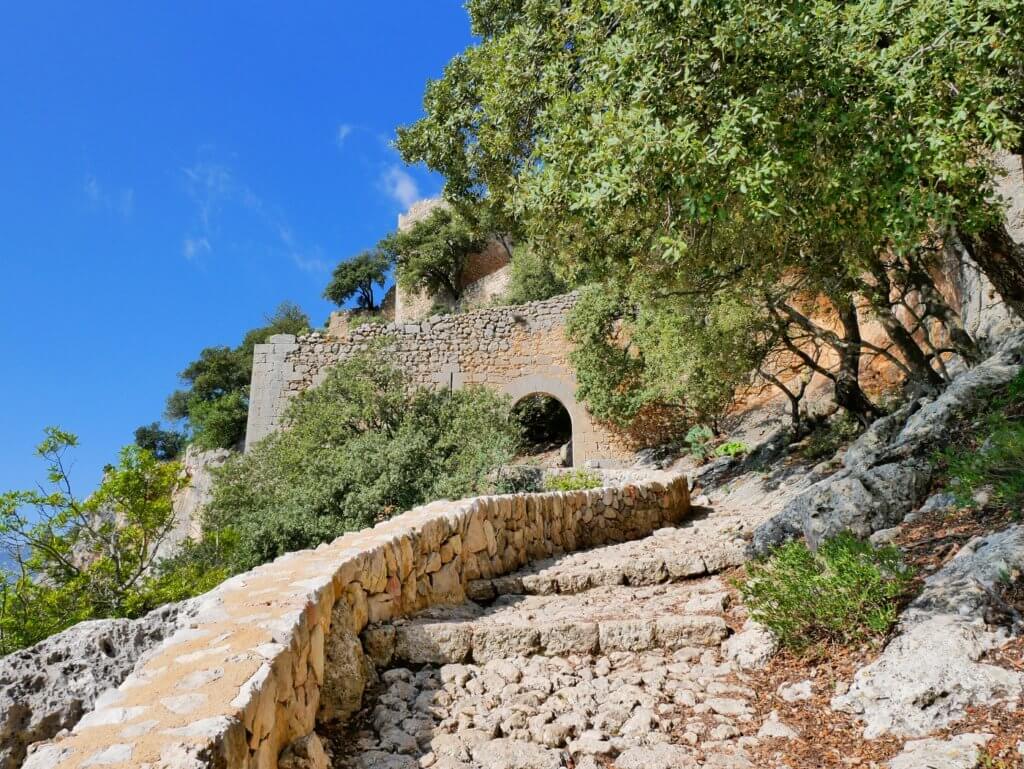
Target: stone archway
[[546, 427], [562, 391]]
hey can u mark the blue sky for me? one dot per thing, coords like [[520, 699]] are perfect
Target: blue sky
[[172, 171]]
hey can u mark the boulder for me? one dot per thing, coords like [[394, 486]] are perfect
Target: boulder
[[885, 472], [48, 687]]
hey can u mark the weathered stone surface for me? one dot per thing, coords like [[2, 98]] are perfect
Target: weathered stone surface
[[516, 754], [305, 753], [347, 671], [435, 642], [752, 647], [774, 728], [50, 686], [659, 756], [960, 752], [885, 472]]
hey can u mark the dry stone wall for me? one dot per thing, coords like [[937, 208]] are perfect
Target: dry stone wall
[[240, 686], [518, 351]]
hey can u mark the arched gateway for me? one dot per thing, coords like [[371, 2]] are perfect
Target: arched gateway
[[519, 350]]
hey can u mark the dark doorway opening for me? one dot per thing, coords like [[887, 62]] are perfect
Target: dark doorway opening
[[547, 428]]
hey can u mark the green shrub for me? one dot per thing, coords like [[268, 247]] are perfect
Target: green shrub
[[846, 592], [72, 558], [698, 440], [574, 480], [360, 447], [732, 449]]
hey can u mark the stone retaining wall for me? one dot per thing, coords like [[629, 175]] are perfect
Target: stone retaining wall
[[242, 683]]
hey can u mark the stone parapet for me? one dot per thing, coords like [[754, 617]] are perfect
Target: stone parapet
[[242, 682]]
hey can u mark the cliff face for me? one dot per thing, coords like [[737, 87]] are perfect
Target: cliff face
[[191, 496]]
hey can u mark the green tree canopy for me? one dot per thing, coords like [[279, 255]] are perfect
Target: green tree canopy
[[612, 129], [215, 400], [699, 156], [162, 444], [357, 277], [75, 559], [432, 254]]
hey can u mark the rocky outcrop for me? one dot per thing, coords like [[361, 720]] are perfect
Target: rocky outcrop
[[886, 472], [49, 687], [193, 493], [932, 671]]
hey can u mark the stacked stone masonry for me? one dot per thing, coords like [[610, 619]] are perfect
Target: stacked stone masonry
[[241, 685], [519, 351]]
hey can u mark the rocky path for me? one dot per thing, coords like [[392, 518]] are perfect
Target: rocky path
[[618, 656]]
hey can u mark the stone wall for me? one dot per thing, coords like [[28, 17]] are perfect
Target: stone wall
[[241, 684], [517, 350]]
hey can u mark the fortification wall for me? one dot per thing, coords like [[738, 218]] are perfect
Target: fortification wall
[[243, 682], [517, 350]]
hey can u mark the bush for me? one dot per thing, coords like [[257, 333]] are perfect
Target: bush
[[698, 440], [360, 447], [732, 449], [574, 480], [846, 592]]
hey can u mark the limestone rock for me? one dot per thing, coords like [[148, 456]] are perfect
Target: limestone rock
[[773, 727], [305, 753], [659, 756], [960, 752], [930, 672], [516, 754], [927, 677], [885, 472], [752, 647], [435, 642], [48, 687], [347, 671]]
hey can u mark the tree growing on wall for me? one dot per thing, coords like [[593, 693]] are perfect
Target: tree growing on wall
[[357, 277], [432, 254]]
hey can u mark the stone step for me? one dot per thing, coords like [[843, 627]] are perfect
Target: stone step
[[601, 620], [669, 555]]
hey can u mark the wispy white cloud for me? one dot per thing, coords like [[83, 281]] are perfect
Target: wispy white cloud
[[399, 186], [307, 262], [344, 131], [193, 248], [120, 201], [215, 188]]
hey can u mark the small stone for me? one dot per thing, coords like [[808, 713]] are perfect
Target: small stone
[[802, 690]]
